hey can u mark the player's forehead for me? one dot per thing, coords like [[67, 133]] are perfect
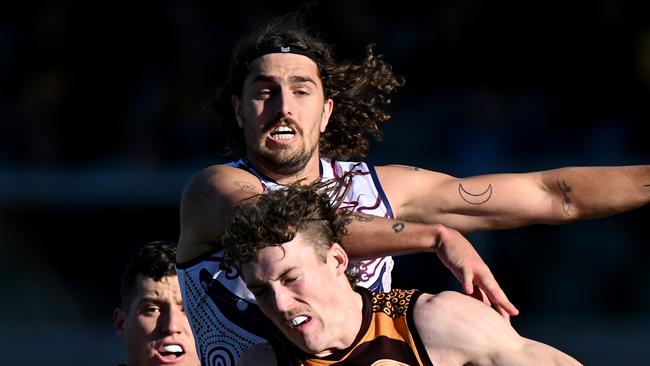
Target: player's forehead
[[284, 67], [271, 262], [166, 288]]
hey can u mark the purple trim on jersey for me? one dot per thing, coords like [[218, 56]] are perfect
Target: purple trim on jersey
[[378, 286], [245, 165], [380, 190], [374, 206]]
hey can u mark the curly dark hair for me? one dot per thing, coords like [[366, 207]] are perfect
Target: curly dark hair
[[274, 218], [155, 260], [360, 91]]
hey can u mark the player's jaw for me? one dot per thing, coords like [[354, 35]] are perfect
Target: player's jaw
[[284, 147], [304, 329]]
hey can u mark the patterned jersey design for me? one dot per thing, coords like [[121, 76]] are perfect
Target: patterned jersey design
[[387, 336]]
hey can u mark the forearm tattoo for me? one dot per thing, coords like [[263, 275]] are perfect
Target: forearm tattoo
[[355, 217], [475, 198], [397, 227], [245, 186], [566, 202], [360, 218], [413, 168]]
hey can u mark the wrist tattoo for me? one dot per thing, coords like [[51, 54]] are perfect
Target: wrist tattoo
[[245, 186], [475, 198], [397, 227], [566, 202]]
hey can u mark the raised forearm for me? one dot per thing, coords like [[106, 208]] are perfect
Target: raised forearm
[[589, 192], [371, 237]]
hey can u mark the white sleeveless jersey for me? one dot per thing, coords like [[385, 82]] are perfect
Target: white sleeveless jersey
[[222, 312]]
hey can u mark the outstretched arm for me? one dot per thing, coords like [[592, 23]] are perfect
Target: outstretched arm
[[500, 201], [210, 195]]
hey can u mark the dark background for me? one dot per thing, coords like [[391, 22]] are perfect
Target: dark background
[[101, 126]]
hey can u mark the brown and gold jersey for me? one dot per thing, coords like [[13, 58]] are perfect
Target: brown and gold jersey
[[387, 336]]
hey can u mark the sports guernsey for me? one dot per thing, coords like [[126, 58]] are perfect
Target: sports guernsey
[[387, 335], [223, 314]]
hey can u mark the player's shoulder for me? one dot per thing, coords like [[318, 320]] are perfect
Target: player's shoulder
[[219, 172], [219, 179]]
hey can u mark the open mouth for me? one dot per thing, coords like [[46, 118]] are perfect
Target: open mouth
[[283, 133], [298, 321], [171, 351]]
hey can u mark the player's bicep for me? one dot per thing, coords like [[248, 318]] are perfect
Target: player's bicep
[[416, 194], [494, 201]]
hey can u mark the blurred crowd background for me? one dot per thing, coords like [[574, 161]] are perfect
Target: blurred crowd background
[[101, 125]]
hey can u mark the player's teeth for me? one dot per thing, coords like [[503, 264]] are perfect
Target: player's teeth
[[298, 320], [173, 348]]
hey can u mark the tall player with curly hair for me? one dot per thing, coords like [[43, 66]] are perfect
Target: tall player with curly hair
[[289, 111]]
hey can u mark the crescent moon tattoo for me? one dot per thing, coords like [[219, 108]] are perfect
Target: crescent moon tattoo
[[475, 198]]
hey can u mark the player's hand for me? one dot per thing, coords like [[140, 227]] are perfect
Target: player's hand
[[468, 267]]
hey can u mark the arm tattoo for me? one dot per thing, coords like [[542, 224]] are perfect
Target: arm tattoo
[[566, 202], [360, 218], [414, 168], [245, 186], [397, 227], [475, 198]]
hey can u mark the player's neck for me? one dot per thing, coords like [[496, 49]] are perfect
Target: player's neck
[[308, 174]]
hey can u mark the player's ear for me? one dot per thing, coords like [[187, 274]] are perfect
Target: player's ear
[[328, 107], [340, 257], [119, 321], [236, 106]]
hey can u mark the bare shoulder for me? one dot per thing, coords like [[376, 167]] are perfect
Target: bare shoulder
[[218, 175], [206, 203], [219, 180], [443, 306], [258, 355], [452, 307], [457, 328]]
